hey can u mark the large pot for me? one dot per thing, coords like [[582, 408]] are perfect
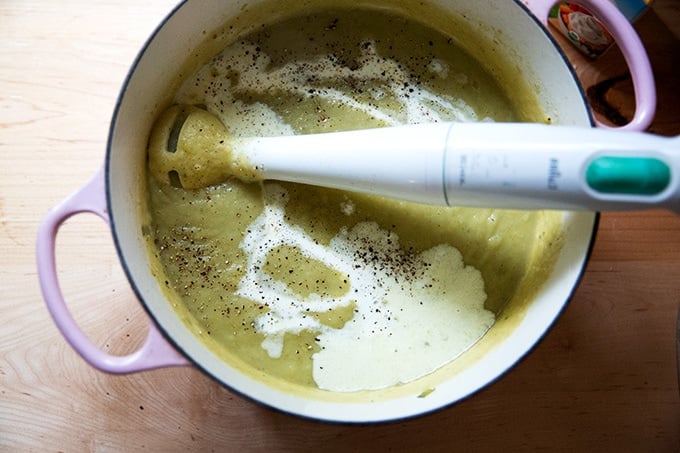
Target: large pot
[[116, 195]]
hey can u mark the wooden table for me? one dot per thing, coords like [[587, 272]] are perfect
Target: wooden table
[[604, 378]]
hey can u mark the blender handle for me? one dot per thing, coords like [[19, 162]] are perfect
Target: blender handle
[[631, 47], [537, 166], [156, 352]]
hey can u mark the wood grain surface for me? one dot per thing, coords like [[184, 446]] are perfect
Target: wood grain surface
[[603, 379]]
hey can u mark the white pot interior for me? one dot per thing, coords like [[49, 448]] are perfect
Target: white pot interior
[[518, 38]]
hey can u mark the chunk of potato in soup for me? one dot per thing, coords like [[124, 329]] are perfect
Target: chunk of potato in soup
[[330, 289]]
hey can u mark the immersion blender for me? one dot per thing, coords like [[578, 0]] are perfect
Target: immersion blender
[[499, 165]]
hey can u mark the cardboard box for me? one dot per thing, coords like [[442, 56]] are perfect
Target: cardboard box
[[584, 31]]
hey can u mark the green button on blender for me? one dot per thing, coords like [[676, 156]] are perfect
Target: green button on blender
[[628, 175]]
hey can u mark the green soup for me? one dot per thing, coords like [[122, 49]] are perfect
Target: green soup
[[329, 289]]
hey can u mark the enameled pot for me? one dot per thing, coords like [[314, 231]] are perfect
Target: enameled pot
[[116, 195]]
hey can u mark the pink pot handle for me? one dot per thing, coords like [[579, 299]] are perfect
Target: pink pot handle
[[633, 51], [156, 352]]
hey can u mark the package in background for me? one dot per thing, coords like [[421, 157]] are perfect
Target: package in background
[[584, 31]]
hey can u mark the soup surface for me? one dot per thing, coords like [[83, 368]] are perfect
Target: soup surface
[[330, 289]]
